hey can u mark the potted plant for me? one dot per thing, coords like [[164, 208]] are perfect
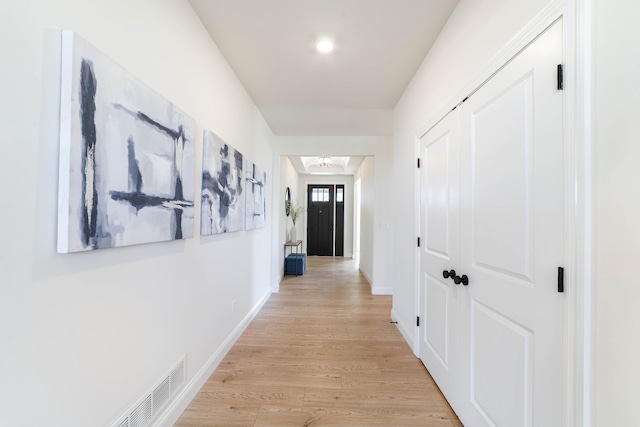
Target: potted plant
[[295, 211]]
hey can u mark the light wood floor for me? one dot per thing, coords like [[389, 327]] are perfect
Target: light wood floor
[[322, 352]]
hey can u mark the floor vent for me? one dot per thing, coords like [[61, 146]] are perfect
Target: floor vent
[[151, 404]]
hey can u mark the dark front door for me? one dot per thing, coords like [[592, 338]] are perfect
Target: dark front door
[[320, 220]]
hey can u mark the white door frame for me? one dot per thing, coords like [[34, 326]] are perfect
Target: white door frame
[[579, 191]]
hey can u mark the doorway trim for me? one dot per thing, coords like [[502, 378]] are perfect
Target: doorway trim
[[333, 206]]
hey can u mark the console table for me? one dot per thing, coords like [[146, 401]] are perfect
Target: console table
[[296, 262], [296, 244]]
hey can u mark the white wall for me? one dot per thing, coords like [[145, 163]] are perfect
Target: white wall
[[618, 218], [474, 34], [383, 215], [288, 178], [365, 174], [84, 335], [381, 149]]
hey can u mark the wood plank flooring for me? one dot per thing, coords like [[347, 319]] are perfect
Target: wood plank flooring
[[321, 352]]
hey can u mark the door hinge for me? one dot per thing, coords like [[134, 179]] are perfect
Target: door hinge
[[560, 279], [418, 321], [418, 241], [560, 77], [418, 162]]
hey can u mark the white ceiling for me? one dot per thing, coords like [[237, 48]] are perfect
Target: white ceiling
[[339, 165], [270, 45]]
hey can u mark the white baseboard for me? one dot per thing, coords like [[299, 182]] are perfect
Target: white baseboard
[[177, 407], [366, 276], [404, 329], [377, 290], [381, 290]]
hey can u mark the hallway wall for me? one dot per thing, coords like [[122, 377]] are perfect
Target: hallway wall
[[365, 174], [618, 202], [288, 178], [85, 335]]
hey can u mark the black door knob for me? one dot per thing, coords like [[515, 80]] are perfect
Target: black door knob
[[446, 274], [461, 279]]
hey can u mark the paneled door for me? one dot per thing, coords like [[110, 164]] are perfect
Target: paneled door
[[320, 216], [440, 228], [512, 238]]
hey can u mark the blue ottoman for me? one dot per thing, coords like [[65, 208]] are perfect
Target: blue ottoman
[[295, 264], [303, 257]]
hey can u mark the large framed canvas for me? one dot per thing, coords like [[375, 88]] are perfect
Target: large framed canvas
[[222, 185], [126, 157], [255, 209]]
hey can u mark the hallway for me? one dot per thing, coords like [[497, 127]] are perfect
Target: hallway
[[321, 352]]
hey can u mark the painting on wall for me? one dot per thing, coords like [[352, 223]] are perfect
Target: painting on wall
[[222, 185], [126, 157], [255, 189]]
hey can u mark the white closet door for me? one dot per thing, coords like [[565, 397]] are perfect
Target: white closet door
[[439, 176], [511, 313]]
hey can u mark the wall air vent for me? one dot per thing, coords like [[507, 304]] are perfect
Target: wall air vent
[[151, 404], [142, 415]]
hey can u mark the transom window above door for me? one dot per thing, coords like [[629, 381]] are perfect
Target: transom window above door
[[320, 195]]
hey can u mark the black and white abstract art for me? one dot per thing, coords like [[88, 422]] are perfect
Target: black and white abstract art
[[222, 184], [126, 157], [255, 188]]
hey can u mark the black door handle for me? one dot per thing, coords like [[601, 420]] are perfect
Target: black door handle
[[461, 279], [446, 274]]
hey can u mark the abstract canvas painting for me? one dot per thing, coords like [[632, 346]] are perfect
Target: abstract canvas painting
[[126, 157], [222, 184], [255, 188]]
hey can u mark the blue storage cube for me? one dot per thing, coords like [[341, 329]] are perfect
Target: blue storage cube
[[304, 260], [295, 264]]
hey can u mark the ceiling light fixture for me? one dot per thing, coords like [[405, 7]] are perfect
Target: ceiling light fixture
[[324, 162], [324, 46]]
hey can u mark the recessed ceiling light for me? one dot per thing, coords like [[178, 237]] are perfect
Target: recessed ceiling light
[[325, 46]]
